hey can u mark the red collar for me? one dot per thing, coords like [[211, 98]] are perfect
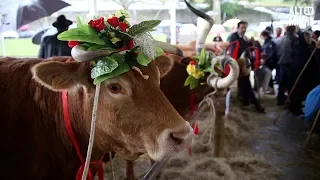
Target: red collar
[[67, 122]]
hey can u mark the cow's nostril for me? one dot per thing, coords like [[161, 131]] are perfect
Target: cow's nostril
[[176, 138]]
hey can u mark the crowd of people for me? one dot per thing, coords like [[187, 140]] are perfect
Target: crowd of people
[[287, 54]]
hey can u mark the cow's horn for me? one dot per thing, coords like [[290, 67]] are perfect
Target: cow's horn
[[223, 83], [169, 48], [202, 36], [80, 54], [243, 55]]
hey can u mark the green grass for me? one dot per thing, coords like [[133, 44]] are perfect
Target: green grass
[[25, 47], [20, 47]]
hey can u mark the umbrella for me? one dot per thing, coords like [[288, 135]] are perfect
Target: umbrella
[[16, 13], [231, 23], [37, 37], [217, 29], [47, 31]]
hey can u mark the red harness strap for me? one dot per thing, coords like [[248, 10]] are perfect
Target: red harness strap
[[234, 55], [67, 122]]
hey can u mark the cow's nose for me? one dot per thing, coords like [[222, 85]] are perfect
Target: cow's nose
[[182, 136]]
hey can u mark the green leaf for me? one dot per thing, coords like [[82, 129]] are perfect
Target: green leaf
[[104, 66], [80, 21], [202, 58], [95, 47], [142, 27], [194, 83], [188, 80], [118, 57], [208, 69], [159, 52], [122, 68], [83, 33], [143, 59], [209, 57]]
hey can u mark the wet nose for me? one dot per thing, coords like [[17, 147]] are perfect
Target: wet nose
[[182, 136]]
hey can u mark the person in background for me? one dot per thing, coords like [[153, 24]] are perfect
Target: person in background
[[270, 30], [51, 46], [254, 57], [285, 57], [239, 44], [278, 32], [269, 54], [217, 38], [308, 79], [316, 35]]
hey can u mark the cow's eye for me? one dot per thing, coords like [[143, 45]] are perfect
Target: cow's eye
[[115, 88]]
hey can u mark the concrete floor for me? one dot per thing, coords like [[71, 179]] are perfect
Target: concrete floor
[[282, 144]]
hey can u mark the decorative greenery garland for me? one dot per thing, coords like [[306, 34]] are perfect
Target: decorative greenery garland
[[198, 68], [130, 46]]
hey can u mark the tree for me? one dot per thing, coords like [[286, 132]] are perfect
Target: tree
[[230, 8]]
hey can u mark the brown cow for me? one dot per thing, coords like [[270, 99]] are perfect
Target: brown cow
[[173, 83], [133, 117]]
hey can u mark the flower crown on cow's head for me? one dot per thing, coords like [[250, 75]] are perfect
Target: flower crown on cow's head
[[198, 67], [119, 46]]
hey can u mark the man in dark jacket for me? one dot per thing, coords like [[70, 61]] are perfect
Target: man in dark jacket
[[269, 54], [308, 79], [51, 46], [286, 52], [239, 44]]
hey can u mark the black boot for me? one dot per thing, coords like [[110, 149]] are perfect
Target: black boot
[[260, 108]]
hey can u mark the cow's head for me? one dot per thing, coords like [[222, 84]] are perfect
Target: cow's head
[[134, 116]]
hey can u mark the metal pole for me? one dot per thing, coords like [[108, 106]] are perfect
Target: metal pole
[[3, 45], [173, 22], [93, 8], [217, 11]]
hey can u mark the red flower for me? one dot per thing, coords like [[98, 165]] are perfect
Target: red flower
[[97, 24], [123, 26], [130, 44], [193, 62], [114, 21], [127, 47], [72, 44]]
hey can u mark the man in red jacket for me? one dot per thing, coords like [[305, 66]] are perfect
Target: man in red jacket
[[239, 44]]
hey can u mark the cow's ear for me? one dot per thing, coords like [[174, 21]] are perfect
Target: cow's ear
[[165, 64], [60, 76]]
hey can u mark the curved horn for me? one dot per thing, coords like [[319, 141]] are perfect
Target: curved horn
[[169, 48], [202, 36], [243, 55], [80, 54], [223, 83]]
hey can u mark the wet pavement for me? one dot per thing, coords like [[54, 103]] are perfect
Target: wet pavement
[[282, 144]]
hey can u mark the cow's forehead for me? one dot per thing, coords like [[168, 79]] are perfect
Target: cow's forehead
[[133, 80]]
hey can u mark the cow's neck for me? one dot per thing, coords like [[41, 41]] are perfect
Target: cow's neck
[[80, 108]]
